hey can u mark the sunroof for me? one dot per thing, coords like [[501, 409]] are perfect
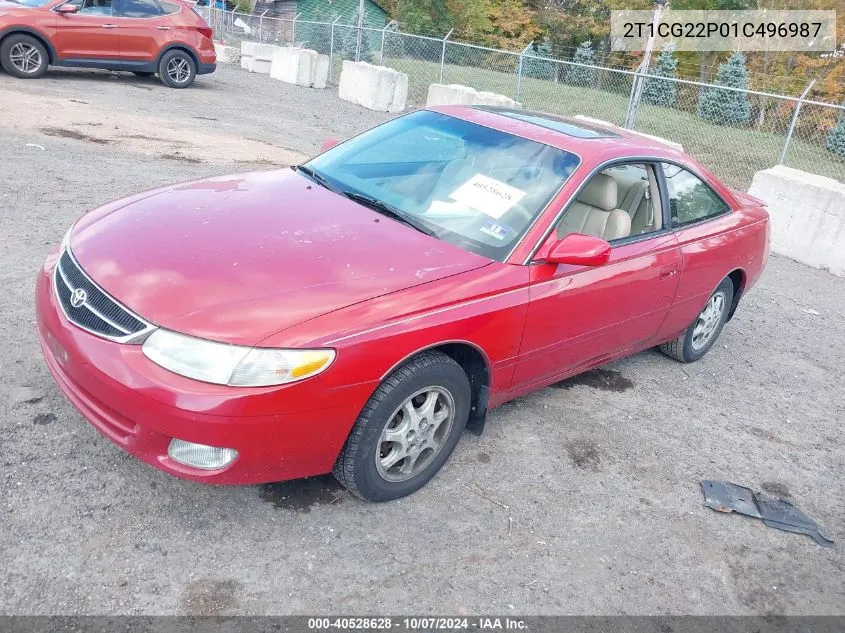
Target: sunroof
[[550, 122]]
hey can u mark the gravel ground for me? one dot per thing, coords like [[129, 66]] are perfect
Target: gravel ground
[[583, 498]]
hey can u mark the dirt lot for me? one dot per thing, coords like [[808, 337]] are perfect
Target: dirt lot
[[582, 498]]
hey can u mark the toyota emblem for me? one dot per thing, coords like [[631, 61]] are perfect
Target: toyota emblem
[[78, 298]]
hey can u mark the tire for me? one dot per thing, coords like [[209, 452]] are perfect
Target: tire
[[24, 56], [700, 336], [364, 466], [142, 73], [177, 69]]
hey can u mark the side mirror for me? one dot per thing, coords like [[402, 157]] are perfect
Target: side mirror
[[68, 8], [579, 250], [329, 143]]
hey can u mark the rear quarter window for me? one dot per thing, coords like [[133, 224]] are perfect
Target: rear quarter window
[[169, 7]]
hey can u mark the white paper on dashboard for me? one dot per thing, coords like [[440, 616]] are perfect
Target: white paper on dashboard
[[488, 195]]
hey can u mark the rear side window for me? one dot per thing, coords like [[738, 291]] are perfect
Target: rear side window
[[169, 7], [690, 198], [140, 9]]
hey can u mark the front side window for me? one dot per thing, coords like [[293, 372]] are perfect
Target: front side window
[[619, 202], [473, 186], [140, 9], [690, 199], [92, 7]]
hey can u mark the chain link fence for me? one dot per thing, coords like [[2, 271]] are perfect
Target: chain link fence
[[734, 132]]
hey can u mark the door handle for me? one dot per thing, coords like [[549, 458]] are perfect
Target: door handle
[[163, 28], [109, 26], [667, 272]]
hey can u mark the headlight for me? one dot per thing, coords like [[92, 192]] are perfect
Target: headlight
[[234, 365]]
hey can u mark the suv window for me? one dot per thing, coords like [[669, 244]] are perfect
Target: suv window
[[140, 9], [690, 199], [93, 7]]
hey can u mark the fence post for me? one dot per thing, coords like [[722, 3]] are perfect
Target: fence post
[[261, 26], [383, 31], [633, 99], [519, 69], [331, 48], [293, 29], [443, 54], [794, 121]]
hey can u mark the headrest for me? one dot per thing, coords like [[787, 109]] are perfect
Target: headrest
[[600, 192]]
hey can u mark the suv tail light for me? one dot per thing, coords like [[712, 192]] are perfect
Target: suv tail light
[[206, 31]]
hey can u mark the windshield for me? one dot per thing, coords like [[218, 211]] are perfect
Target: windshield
[[470, 185], [30, 3]]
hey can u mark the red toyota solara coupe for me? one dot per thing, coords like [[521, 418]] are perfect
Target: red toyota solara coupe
[[356, 313]]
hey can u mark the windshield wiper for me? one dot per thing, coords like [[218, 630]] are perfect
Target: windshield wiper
[[389, 211], [316, 176]]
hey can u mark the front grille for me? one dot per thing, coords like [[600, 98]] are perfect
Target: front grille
[[95, 311]]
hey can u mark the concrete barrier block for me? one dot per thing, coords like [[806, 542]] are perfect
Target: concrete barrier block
[[400, 94], [449, 94], [227, 54], [321, 71], [494, 99], [807, 216], [373, 87], [247, 55], [306, 63], [263, 58]]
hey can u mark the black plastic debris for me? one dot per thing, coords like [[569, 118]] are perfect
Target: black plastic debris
[[723, 496]]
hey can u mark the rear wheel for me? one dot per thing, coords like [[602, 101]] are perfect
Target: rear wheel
[[177, 69], [407, 429], [699, 337], [24, 56]]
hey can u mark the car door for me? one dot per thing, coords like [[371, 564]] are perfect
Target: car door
[[712, 240], [580, 316], [89, 34], [144, 29]]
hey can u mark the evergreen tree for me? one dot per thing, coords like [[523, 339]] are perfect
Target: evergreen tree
[[662, 92], [579, 75], [536, 63], [727, 107], [835, 138], [394, 44]]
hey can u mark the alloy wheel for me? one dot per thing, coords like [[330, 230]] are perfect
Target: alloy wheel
[[179, 70], [708, 321], [25, 57], [415, 434]]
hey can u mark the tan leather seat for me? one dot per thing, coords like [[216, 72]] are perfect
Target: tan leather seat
[[638, 205], [595, 212]]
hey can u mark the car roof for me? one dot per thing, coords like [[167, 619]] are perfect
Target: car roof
[[598, 140]]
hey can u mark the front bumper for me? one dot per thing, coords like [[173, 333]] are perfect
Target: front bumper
[[277, 431]]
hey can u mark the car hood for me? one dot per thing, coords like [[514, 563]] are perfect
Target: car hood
[[238, 258]]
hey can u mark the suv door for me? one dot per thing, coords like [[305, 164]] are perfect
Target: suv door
[[89, 34], [144, 29], [581, 316]]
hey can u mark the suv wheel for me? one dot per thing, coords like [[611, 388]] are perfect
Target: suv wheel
[[177, 69], [24, 56]]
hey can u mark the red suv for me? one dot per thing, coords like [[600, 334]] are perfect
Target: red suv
[[141, 36]]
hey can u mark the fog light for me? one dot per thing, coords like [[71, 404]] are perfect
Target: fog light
[[200, 455]]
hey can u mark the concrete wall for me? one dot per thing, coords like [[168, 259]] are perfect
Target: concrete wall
[[373, 87], [456, 94], [227, 54], [257, 58], [807, 216]]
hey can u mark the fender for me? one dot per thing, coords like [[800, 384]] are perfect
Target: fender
[[51, 52], [171, 45]]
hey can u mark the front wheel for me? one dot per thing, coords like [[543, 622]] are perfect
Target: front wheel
[[700, 336], [177, 69], [407, 429], [24, 56]]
